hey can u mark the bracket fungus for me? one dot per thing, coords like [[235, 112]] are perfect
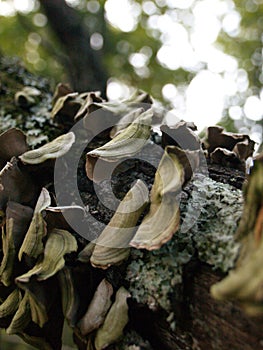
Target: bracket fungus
[[125, 121], [98, 308], [112, 246], [69, 296], [12, 144], [126, 144], [25, 233], [16, 184], [27, 96], [52, 150], [50, 273], [115, 321], [21, 318], [64, 107], [33, 244], [228, 149], [244, 283], [10, 304], [59, 243], [89, 105], [70, 106], [163, 218], [181, 134], [18, 218], [137, 99]]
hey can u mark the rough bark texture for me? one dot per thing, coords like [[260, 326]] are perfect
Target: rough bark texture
[[201, 323], [204, 323], [219, 325]]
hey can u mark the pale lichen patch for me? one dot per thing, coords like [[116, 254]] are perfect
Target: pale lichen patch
[[34, 119], [214, 231], [153, 275]]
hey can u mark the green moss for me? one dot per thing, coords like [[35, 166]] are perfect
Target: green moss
[[154, 275]]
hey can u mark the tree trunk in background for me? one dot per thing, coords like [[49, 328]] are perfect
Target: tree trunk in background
[[84, 66]]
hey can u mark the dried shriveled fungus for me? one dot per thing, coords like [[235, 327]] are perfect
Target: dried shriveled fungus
[[126, 144], [32, 250], [48, 273], [33, 244], [12, 144], [112, 246], [65, 107], [181, 135], [52, 150], [98, 308], [228, 149], [162, 220], [244, 283], [115, 321], [69, 106], [27, 96], [18, 217]]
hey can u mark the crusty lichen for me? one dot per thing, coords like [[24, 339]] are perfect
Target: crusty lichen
[[214, 231], [153, 275], [35, 119]]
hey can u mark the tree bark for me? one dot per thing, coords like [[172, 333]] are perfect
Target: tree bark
[[201, 322]]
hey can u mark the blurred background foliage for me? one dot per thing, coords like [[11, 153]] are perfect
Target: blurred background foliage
[[188, 54]]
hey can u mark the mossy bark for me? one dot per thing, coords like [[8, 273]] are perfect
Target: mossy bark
[[171, 307]]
